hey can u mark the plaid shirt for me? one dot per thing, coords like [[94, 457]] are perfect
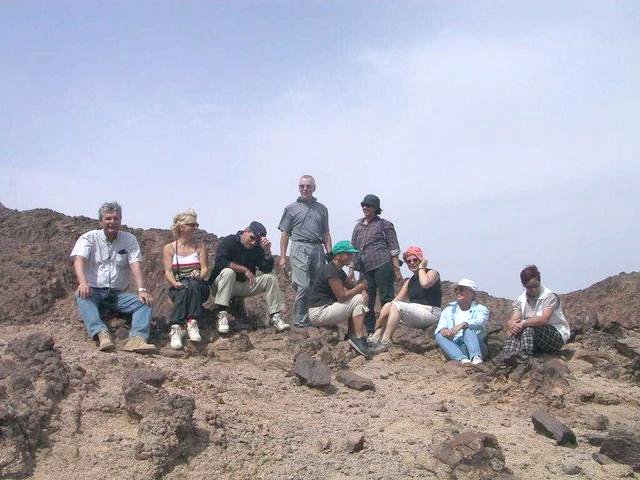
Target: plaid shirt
[[377, 242]]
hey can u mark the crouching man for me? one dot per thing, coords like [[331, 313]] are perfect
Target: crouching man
[[238, 258], [103, 261]]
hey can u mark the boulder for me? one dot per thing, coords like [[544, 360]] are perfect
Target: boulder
[[472, 455], [629, 347], [414, 340], [165, 428], [355, 381], [622, 449], [551, 427], [33, 380], [312, 372]]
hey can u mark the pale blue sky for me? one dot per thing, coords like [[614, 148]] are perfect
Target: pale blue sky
[[497, 134]]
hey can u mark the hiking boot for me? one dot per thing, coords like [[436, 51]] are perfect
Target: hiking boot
[[105, 344], [223, 322], [176, 334], [139, 345], [379, 347], [465, 361], [359, 344], [193, 331], [278, 322], [476, 360]]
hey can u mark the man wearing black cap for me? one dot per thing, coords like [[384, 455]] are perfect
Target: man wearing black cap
[[235, 274]]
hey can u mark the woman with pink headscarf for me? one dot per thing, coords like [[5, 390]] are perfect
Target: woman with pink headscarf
[[417, 304]]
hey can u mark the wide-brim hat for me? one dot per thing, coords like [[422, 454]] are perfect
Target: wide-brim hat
[[373, 200]]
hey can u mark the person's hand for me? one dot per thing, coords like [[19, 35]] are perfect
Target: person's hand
[[84, 290], [515, 328], [283, 263], [423, 263], [446, 332], [251, 278], [179, 285], [146, 298], [266, 245]]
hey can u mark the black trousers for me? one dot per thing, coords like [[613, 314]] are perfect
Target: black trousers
[[380, 281], [187, 301]]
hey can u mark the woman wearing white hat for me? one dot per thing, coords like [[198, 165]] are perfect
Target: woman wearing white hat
[[461, 330]]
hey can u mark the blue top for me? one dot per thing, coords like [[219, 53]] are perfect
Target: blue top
[[477, 319]]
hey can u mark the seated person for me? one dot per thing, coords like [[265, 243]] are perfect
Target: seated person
[[461, 330], [537, 324], [417, 304], [238, 258], [103, 261], [185, 267], [335, 298]]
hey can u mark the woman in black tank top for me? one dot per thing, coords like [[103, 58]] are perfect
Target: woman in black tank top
[[417, 304]]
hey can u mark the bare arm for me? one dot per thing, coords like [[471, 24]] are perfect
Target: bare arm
[[427, 279], [327, 242], [204, 261], [342, 294], [167, 257], [79, 265], [284, 243], [403, 294], [136, 271]]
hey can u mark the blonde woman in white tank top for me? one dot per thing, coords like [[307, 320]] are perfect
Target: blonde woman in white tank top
[[185, 268]]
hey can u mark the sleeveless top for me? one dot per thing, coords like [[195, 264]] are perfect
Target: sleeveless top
[[426, 296], [184, 265]]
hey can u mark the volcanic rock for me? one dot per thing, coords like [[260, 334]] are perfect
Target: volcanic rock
[[472, 455], [551, 427], [622, 449], [312, 372], [355, 381], [354, 443]]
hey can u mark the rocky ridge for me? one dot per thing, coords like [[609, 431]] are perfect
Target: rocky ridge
[[237, 407]]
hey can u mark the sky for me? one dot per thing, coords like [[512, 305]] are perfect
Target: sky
[[497, 134]]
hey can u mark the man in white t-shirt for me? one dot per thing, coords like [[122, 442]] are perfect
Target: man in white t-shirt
[[103, 261]]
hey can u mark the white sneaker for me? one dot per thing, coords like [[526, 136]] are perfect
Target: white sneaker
[[278, 322], [223, 322], [192, 330], [176, 334], [464, 361], [476, 360]]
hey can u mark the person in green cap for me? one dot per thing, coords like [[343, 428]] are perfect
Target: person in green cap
[[336, 298]]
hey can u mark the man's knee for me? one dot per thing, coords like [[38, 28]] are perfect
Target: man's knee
[[226, 274], [268, 278]]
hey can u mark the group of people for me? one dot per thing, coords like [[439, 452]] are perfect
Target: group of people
[[325, 295]]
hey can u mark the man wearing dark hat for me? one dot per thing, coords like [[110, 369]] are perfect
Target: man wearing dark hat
[[377, 259], [243, 266]]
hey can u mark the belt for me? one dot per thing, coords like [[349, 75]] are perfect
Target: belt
[[316, 242]]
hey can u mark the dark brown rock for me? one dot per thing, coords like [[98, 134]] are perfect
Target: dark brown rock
[[629, 347], [472, 455], [601, 458], [152, 377], [551, 427], [312, 372], [355, 381], [595, 439], [622, 449], [241, 343], [414, 340], [596, 422]]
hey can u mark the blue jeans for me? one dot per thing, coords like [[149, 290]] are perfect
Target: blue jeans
[[119, 302], [468, 345]]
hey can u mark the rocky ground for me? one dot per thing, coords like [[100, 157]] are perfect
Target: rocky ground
[[259, 404]]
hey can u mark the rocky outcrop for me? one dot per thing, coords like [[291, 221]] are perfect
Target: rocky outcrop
[[166, 429], [33, 379]]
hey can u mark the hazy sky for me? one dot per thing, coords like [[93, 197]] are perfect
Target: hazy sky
[[497, 134]]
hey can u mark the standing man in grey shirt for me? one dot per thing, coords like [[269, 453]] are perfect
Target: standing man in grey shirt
[[306, 223]]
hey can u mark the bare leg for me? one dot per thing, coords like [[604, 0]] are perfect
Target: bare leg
[[382, 319], [357, 322], [392, 322]]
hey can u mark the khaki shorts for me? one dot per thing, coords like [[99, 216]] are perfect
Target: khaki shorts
[[337, 313], [416, 315]]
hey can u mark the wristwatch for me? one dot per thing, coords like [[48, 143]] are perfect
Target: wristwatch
[[141, 289]]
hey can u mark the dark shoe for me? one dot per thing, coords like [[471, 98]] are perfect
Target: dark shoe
[[379, 347], [359, 345]]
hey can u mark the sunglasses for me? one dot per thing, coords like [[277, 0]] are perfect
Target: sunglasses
[[194, 225], [252, 237], [412, 261], [460, 289], [366, 205]]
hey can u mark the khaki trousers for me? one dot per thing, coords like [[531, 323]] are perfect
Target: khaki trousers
[[336, 313], [227, 286]]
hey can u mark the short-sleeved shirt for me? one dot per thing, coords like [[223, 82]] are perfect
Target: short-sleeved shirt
[[321, 293], [551, 301], [305, 221], [108, 264], [377, 242]]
